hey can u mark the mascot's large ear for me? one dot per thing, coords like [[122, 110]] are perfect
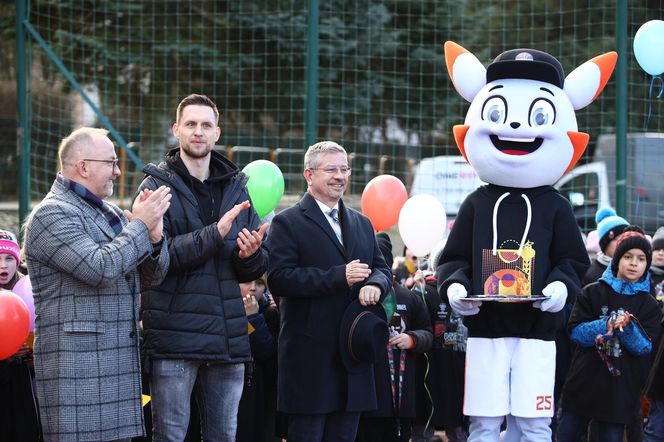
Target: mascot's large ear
[[467, 73], [586, 82]]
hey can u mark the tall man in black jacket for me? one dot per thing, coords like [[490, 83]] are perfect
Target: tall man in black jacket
[[323, 255], [194, 321]]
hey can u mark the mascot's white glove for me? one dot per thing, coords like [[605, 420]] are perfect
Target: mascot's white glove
[[556, 291], [455, 293]]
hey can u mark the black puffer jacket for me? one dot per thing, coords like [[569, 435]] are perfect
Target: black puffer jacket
[[197, 311]]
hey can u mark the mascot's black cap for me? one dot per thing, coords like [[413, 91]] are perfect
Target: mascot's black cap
[[529, 64]]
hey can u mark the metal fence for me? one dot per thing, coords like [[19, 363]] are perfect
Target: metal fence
[[367, 74]]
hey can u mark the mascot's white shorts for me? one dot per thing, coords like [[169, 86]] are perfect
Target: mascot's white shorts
[[509, 376]]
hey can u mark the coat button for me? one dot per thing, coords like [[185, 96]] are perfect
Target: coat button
[[127, 277], [132, 334]]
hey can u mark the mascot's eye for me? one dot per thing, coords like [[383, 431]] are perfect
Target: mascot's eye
[[494, 110], [542, 113]]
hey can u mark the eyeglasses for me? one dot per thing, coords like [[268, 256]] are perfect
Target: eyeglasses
[[113, 163], [333, 170]]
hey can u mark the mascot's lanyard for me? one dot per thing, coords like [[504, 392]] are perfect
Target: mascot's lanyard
[[396, 380], [495, 222]]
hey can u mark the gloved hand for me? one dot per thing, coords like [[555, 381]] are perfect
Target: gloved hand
[[556, 291], [455, 293]]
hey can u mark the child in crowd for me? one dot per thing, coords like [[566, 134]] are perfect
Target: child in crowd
[[654, 430], [446, 361], [609, 226], [256, 413], [404, 267], [614, 322], [394, 370], [18, 411], [657, 267]]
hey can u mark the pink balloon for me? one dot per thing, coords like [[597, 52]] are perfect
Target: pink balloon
[[592, 242], [23, 288]]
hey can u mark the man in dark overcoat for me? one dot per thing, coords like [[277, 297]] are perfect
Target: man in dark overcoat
[[323, 255]]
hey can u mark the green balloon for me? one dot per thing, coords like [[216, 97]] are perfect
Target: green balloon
[[265, 185]]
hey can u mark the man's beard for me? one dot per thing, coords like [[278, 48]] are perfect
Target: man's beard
[[191, 153]]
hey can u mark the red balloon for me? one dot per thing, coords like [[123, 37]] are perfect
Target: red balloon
[[382, 200], [14, 323]]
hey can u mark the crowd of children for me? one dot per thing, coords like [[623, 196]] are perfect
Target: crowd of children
[[610, 359]]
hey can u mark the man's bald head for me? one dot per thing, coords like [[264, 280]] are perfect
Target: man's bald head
[[76, 146]]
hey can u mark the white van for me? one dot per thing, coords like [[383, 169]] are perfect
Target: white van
[[448, 178], [593, 185]]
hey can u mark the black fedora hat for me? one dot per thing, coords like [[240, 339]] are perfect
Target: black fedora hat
[[362, 336]]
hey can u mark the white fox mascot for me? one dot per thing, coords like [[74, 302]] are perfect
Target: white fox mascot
[[515, 256]]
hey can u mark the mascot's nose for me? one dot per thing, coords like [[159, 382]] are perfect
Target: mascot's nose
[[515, 125]]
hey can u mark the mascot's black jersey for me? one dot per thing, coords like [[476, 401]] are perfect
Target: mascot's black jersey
[[512, 241]]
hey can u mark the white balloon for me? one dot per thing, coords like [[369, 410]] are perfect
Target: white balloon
[[648, 43], [422, 223]]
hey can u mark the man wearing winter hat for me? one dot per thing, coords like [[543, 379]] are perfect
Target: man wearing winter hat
[[609, 227]]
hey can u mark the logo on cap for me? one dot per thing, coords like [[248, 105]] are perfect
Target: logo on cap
[[526, 56]]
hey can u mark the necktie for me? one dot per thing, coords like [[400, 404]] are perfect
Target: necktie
[[334, 214]]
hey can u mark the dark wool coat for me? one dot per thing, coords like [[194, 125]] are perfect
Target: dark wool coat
[[86, 286], [308, 272], [197, 312]]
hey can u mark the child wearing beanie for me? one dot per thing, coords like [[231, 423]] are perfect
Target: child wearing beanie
[[18, 413], [614, 323], [609, 226], [10, 253]]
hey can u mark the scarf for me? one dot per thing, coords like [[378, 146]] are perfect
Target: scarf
[[603, 259], [625, 287], [92, 199]]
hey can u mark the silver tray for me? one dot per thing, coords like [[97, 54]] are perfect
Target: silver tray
[[505, 298]]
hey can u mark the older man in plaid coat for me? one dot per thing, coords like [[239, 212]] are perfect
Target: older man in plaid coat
[[87, 262]]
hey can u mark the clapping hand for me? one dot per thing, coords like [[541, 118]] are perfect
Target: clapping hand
[[249, 242], [150, 207]]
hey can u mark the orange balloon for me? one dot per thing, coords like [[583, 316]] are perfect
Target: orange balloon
[[382, 199], [14, 323]]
